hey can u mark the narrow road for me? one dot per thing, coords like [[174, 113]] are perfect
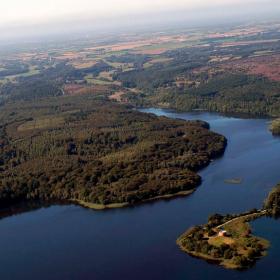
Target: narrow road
[[245, 216]]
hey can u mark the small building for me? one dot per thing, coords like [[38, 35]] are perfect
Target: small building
[[222, 233]]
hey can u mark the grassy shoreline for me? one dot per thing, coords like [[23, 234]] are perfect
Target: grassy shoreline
[[96, 206], [275, 127]]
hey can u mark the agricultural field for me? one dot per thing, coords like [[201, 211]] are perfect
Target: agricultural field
[[229, 70]]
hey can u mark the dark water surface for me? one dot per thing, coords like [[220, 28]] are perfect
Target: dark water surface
[[69, 242]]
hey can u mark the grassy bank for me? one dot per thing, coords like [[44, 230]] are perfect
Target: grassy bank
[[275, 127], [97, 206]]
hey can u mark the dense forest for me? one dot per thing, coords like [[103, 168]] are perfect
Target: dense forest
[[61, 137], [48, 82], [86, 148], [228, 94], [272, 203], [13, 68], [207, 78]]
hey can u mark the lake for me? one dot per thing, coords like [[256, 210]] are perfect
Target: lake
[[70, 242]]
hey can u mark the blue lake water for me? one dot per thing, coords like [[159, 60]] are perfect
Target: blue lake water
[[70, 242]]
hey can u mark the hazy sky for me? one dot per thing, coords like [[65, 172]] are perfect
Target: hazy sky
[[30, 11], [21, 13]]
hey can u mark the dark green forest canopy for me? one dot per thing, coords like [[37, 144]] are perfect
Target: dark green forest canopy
[[272, 203], [192, 80], [62, 148], [227, 93]]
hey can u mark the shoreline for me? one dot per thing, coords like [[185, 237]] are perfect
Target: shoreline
[[236, 115], [196, 254], [27, 206], [96, 206], [240, 236]]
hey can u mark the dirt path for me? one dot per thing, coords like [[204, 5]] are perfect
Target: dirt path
[[245, 216]]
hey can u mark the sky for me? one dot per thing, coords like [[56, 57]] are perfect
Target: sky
[[34, 11], [45, 14]]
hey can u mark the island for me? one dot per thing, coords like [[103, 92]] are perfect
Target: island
[[233, 181], [228, 240], [99, 154]]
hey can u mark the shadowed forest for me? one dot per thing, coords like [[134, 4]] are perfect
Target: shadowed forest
[[89, 149]]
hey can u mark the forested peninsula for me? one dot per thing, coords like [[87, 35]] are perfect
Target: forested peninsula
[[97, 153], [228, 240]]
